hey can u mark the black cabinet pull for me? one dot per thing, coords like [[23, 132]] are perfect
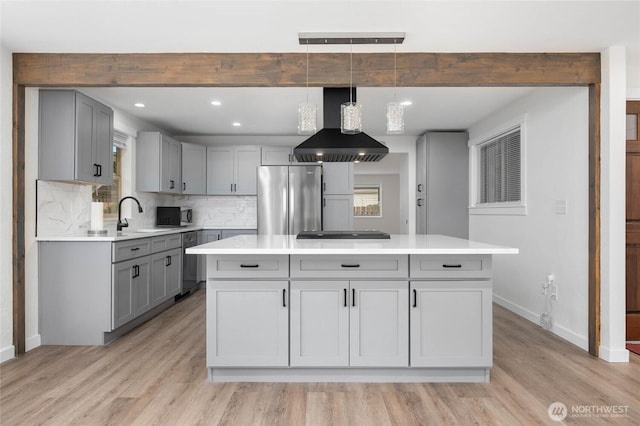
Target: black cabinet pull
[[419, 187], [324, 202], [231, 189], [350, 265], [135, 248], [235, 187], [452, 266], [184, 186], [345, 297], [419, 202], [284, 297], [353, 297], [172, 184], [136, 271], [168, 262], [253, 265], [99, 170], [95, 170], [415, 298]]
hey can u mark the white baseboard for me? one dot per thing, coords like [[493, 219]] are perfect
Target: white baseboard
[[7, 353], [613, 355], [32, 342], [560, 331]]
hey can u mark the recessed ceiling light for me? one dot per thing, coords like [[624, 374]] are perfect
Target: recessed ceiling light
[[406, 103], [236, 124], [139, 105], [216, 103]]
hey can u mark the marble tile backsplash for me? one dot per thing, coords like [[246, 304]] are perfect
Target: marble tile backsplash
[[64, 208]]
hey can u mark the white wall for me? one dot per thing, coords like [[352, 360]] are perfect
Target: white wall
[[6, 207], [556, 156]]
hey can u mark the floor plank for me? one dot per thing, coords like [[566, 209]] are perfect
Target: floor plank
[[156, 375]]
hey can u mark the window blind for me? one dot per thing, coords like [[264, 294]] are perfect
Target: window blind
[[500, 169]]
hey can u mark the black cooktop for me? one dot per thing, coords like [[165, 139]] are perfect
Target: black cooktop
[[343, 235]]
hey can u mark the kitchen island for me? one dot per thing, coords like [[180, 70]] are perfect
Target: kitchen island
[[405, 309]]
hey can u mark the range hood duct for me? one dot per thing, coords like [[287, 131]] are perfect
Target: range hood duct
[[331, 143]]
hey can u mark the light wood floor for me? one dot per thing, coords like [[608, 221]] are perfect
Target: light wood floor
[[156, 375]]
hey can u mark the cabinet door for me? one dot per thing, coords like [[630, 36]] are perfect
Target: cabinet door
[[337, 178], [337, 213], [122, 296], [158, 285], [86, 167], [173, 273], [451, 324], [169, 165], [276, 155], [246, 179], [103, 144], [421, 185], [204, 237], [219, 170], [379, 324], [247, 323], [194, 167], [141, 285], [319, 323]]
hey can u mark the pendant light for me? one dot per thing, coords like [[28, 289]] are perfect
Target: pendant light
[[351, 112], [307, 112], [395, 109]]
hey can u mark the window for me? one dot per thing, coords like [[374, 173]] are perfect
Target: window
[[110, 194], [498, 171], [366, 201]]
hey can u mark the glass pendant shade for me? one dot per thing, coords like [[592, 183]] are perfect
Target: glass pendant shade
[[351, 118], [395, 118], [307, 119]]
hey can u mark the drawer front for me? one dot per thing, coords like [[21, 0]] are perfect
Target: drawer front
[[166, 242], [450, 266], [333, 266], [247, 266], [130, 249]]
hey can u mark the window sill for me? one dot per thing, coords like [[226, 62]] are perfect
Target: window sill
[[497, 210]]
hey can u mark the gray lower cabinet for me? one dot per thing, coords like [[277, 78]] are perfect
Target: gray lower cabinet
[[91, 291], [210, 235]]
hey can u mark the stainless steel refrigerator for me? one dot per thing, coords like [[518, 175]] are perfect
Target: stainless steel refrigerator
[[289, 199]]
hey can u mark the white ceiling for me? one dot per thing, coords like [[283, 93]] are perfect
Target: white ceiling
[[273, 111], [100, 26]]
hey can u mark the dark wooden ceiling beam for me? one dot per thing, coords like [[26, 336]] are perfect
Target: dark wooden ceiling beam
[[289, 69]]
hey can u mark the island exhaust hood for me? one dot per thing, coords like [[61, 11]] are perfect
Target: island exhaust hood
[[330, 144]]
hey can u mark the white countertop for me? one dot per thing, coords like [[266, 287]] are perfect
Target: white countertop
[[397, 244], [126, 234]]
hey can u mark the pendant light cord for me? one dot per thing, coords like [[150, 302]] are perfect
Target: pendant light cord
[[395, 80], [351, 74], [307, 71]]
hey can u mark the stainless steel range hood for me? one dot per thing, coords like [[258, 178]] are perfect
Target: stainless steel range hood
[[330, 144]]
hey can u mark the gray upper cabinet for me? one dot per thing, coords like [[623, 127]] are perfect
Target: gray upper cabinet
[[276, 155], [194, 169], [75, 138], [158, 163], [337, 178], [231, 170]]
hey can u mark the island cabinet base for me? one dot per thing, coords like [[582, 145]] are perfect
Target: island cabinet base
[[349, 375], [349, 318]]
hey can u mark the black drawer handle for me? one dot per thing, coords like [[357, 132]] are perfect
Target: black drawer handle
[[284, 297], [99, 170], [415, 298], [452, 266], [253, 265], [172, 184], [95, 168], [136, 271], [168, 262], [345, 297], [350, 265], [135, 249], [353, 297]]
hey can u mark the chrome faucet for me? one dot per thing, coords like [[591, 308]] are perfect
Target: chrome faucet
[[124, 224]]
